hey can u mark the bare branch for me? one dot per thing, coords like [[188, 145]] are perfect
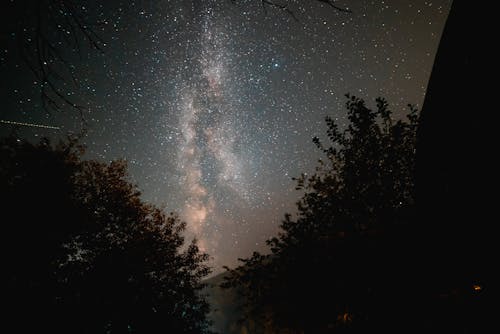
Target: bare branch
[[285, 6], [331, 4], [45, 31], [279, 6]]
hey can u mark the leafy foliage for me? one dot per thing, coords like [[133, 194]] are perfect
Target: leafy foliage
[[337, 265], [84, 254]]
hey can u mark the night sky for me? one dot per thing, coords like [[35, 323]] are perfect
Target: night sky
[[214, 104]]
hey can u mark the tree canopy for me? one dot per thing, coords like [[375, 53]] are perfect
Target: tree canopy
[[84, 254], [342, 263]]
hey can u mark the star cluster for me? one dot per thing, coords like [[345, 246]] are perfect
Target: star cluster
[[214, 103]]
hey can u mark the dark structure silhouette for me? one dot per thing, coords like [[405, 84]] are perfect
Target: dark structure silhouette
[[455, 169]]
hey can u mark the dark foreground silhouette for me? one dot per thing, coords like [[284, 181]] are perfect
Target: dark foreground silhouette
[[347, 261], [81, 253], [355, 258], [385, 240]]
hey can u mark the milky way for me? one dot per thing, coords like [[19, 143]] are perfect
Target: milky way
[[214, 103], [207, 160]]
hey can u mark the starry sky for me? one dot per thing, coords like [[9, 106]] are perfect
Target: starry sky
[[214, 103]]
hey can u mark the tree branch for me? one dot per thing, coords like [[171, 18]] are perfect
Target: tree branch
[[285, 6], [44, 31]]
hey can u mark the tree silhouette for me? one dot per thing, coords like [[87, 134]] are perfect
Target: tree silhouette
[[84, 254], [343, 263]]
